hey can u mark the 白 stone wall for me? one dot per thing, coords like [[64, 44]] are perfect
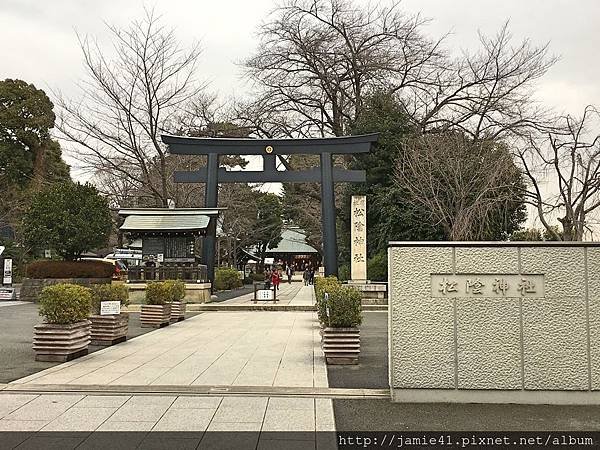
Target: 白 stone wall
[[494, 345]]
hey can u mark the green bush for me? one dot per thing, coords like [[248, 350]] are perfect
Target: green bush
[[158, 293], [377, 267], [108, 293], [227, 278], [323, 285], [177, 288], [344, 308], [69, 269], [344, 272], [258, 277], [65, 303]]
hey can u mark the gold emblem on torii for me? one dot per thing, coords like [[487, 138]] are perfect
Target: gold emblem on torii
[[269, 149]]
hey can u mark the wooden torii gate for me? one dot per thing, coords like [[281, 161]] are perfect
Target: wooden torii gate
[[270, 150]]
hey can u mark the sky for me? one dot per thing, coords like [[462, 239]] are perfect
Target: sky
[[38, 41]]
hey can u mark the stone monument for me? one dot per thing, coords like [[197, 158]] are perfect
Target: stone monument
[[358, 236], [373, 293]]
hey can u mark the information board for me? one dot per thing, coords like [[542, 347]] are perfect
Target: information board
[[110, 308], [7, 278], [264, 294]]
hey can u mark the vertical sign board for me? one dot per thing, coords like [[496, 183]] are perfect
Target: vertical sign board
[[358, 236], [7, 272]]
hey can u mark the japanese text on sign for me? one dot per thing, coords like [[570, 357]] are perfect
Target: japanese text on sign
[[487, 285]]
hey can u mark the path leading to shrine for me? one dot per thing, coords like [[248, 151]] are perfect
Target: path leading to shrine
[[271, 356]]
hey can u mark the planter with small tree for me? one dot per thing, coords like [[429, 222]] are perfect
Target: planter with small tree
[[157, 310], [177, 288], [65, 334], [343, 315], [109, 329]]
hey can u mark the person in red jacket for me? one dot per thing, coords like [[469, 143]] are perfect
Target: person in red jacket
[[276, 279]]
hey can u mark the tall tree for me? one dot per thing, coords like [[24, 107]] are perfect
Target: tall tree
[[318, 60], [29, 157], [128, 101], [389, 215], [470, 188], [69, 218], [563, 171], [270, 224]]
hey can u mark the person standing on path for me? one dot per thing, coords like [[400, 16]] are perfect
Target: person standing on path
[[311, 276], [276, 279], [305, 277], [289, 272]]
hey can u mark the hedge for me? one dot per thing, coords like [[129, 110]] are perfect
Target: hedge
[[177, 288], [108, 293], [227, 278], [323, 285], [69, 269], [345, 309], [158, 293], [65, 303]]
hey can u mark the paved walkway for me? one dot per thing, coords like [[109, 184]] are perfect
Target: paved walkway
[[294, 294], [218, 349]]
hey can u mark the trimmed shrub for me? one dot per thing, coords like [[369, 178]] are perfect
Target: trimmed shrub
[[345, 309], [108, 293], [158, 293], [344, 272], [69, 269], [257, 277], [323, 285], [227, 278], [177, 288], [65, 303], [377, 267]]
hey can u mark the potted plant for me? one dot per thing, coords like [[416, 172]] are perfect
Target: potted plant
[[322, 286], [157, 310], [341, 336], [177, 288], [65, 333], [109, 329]]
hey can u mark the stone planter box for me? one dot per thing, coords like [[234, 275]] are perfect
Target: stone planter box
[[341, 345], [60, 343], [109, 330], [156, 316], [177, 311]]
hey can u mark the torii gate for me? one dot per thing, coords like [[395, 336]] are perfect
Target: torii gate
[[270, 149]]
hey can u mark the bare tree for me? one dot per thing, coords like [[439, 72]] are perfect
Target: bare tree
[[317, 59], [467, 186], [563, 170], [486, 94], [127, 101]]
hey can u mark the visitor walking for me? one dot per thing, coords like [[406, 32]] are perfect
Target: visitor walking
[[289, 272], [276, 279], [306, 277], [268, 277], [311, 278]]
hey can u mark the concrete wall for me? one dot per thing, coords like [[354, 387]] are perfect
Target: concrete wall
[[496, 346], [194, 293]]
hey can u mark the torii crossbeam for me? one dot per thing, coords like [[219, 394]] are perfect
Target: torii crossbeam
[[270, 149]]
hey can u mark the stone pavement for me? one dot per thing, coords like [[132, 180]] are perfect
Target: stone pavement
[[294, 294], [273, 350]]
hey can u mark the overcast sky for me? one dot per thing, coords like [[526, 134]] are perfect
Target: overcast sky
[[38, 42]]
